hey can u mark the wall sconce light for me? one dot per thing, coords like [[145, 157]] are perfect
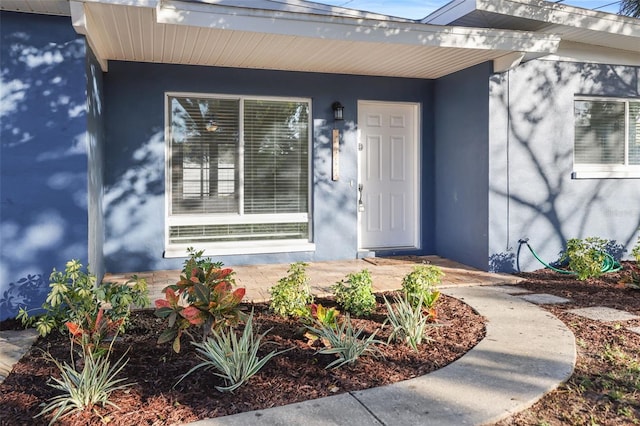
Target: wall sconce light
[[338, 111]]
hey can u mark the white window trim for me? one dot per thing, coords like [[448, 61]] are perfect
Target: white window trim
[[235, 247], [242, 247], [608, 171]]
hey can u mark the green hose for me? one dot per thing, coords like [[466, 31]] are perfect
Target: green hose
[[609, 264]]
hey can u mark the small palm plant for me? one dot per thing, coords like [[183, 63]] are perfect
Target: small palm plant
[[235, 359]]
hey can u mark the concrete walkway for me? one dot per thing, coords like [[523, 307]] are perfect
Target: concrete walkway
[[526, 352], [13, 346]]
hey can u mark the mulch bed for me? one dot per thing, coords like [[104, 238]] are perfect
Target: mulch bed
[[604, 389], [294, 376]]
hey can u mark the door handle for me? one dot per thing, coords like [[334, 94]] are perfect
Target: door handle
[[360, 203]]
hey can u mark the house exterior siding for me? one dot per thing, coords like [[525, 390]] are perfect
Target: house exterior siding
[[82, 156], [462, 162], [134, 155], [532, 193], [43, 155]]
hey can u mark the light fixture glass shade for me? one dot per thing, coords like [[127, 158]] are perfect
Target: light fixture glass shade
[[338, 111]]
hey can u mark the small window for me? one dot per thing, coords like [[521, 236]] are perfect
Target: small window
[[237, 174], [607, 137]]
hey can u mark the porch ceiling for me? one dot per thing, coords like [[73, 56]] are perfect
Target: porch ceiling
[[219, 33]]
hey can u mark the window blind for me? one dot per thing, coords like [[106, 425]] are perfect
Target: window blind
[[204, 146], [235, 158], [599, 132], [634, 133], [275, 156]]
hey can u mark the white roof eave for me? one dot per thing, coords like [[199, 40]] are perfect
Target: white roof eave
[[351, 29], [571, 23], [384, 40]]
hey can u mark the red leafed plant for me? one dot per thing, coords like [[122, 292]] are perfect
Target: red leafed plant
[[202, 298], [94, 331]]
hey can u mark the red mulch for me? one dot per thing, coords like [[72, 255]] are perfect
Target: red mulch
[[604, 389], [295, 376]]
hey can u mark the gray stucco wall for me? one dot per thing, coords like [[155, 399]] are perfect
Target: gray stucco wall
[[134, 150], [532, 193], [43, 155], [462, 165]]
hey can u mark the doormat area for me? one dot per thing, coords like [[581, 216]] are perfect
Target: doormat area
[[401, 260]]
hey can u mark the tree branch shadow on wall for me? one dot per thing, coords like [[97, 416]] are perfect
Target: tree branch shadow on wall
[[43, 154], [335, 206], [134, 209], [29, 292], [540, 161]]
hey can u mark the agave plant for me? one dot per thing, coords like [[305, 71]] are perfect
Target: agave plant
[[345, 341], [408, 321], [235, 359], [90, 386]]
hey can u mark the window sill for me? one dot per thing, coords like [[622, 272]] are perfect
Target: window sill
[[608, 174], [242, 247]]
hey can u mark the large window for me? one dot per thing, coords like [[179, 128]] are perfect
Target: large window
[[607, 137], [237, 174]]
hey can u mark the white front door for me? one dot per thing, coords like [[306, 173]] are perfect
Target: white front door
[[388, 184]]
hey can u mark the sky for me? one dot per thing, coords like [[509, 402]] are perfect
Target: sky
[[418, 9]]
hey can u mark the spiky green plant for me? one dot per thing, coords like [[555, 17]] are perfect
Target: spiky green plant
[[408, 322], [82, 389], [345, 341], [235, 359]]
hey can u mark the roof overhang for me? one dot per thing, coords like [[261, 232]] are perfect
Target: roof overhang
[[295, 36], [573, 24]]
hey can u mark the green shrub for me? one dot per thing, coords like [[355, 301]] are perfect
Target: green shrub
[[355, 293], [235, 359], [75, 297], [632, 279], [586, 257], [419, 285], [292, 295], [408, 321], [636, 252], [344, 341]]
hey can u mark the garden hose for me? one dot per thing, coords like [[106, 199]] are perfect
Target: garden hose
[[609, 264]]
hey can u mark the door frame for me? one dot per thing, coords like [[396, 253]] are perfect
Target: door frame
[[417, 213]]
